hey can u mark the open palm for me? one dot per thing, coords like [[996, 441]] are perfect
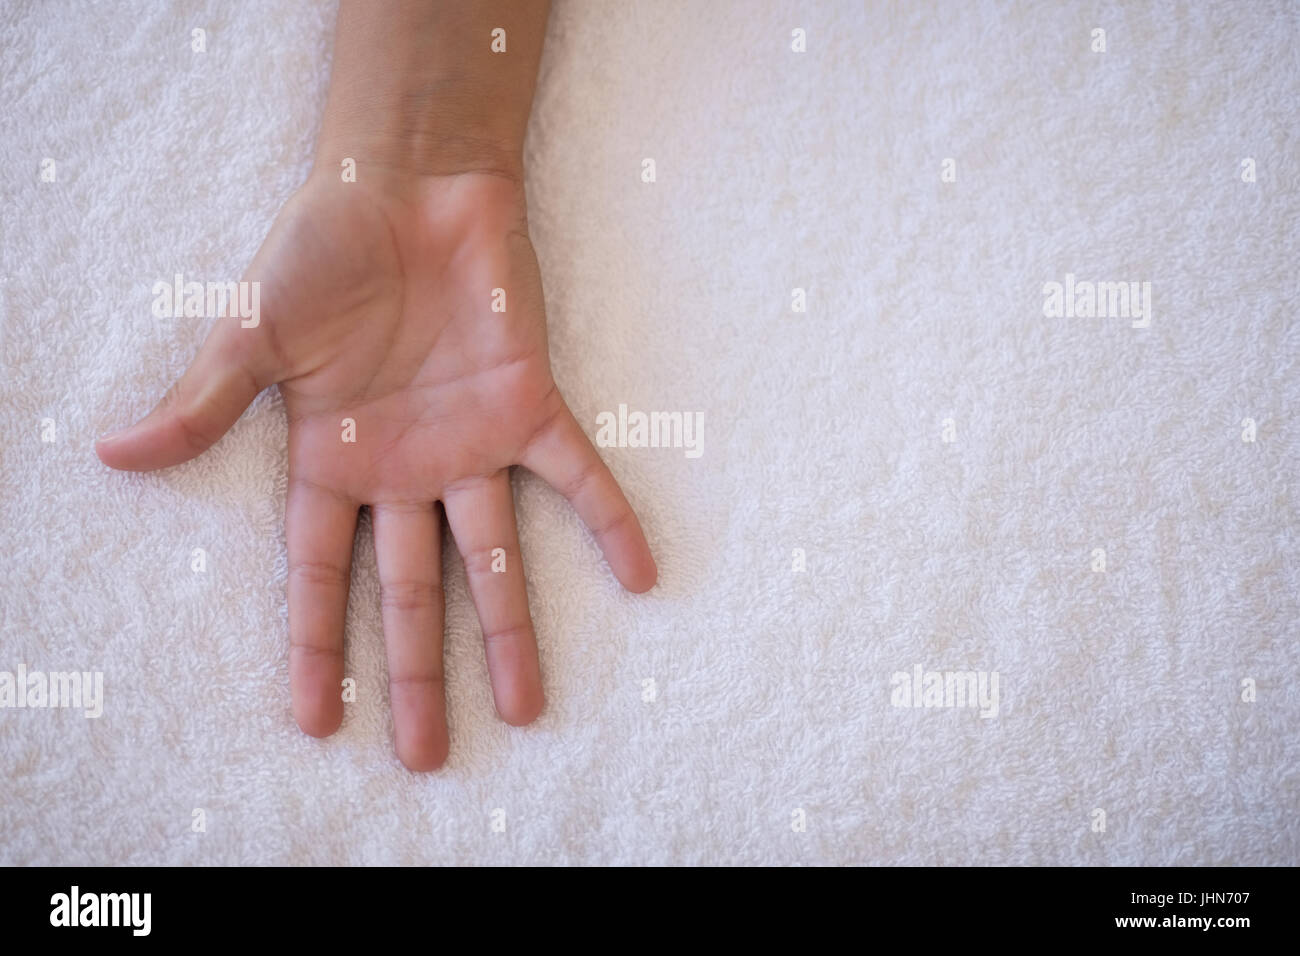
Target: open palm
[[404, 325]]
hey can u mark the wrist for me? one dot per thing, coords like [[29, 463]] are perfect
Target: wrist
[[451, 198], [434, 145], [418, 88]]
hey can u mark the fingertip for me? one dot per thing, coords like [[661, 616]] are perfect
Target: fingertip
[[319, 724], [420, 724], [318, 715], [522, 708], [642, 587], [640, 574], [423, 756], [112, 450], [156, 441]]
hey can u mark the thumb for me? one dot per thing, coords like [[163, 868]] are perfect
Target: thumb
[[200, 407]]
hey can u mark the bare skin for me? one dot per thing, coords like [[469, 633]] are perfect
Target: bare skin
[[377, 306]]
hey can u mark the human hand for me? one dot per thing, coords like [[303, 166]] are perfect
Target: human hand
[[377, 306]]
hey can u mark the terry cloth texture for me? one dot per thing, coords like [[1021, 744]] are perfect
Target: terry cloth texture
[[949, 461]]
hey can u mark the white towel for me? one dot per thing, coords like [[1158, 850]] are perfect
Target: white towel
[[743, 711]]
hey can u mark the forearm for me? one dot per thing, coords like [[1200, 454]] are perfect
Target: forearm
[[416, 87]]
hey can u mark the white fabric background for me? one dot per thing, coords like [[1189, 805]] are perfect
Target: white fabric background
[[1119, 691]]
